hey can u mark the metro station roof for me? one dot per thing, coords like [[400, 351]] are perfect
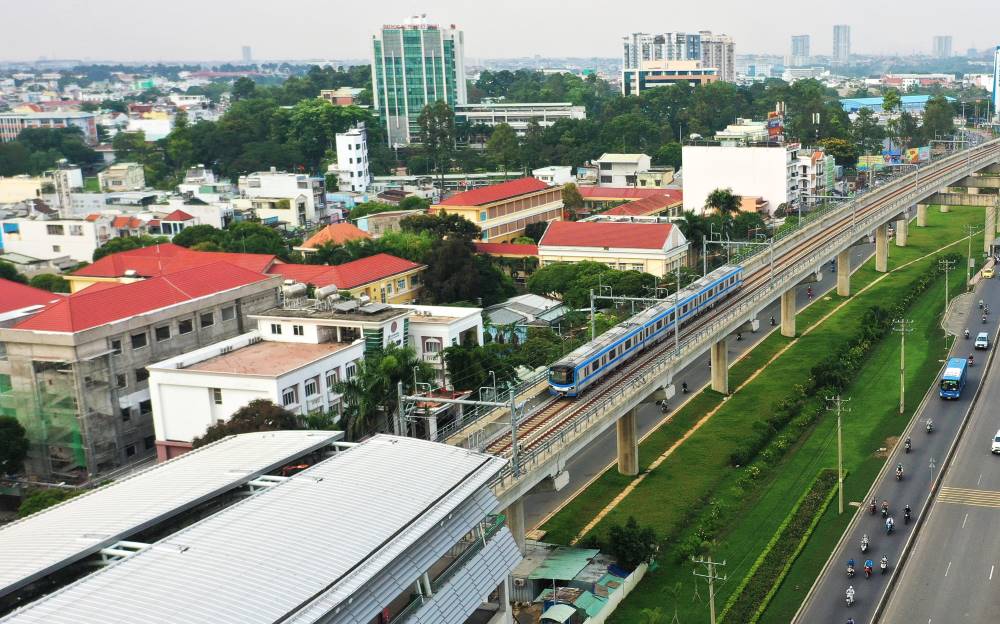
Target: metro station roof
[[47, 541]]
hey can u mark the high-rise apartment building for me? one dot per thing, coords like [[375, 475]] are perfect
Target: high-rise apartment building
[[800, 50], [247, 55], [841, 43], [415, 64], [712, 50], [942, 46]]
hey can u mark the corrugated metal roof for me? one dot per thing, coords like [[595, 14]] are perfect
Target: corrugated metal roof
[[564, 563], [294, 552], [53, 538]]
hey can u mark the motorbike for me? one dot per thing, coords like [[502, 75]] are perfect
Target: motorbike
[[971, 361], [984, 319], [966, 334], [906, 445], [930, 425], [864, 544], [884, 564], [899, 475], [850, 571], [885, 512], [684, 388], [868, 571], [889, 527], [871, 507], [849, 598], [906, 515]]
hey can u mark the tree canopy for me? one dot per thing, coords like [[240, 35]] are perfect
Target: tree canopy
[[257, 415], [13, 445]]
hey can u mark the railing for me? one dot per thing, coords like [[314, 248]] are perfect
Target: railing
[[493, 524], [627, 385], [473, 416]]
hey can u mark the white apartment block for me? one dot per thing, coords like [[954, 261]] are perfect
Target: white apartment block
[[554, 175], [779, 174], [11, 124], [719, 51], [277, 196], [353, 173], [435, 328], [195, 390], [122, 177], [621, 169], [49, 239], [517, 115]]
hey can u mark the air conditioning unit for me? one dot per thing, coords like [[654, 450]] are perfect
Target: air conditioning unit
[[519, 582]]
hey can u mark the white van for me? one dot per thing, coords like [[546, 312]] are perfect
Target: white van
[[995, 448], [982, 340]]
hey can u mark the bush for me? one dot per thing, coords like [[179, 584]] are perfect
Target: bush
[[42, 499], [631, 544]]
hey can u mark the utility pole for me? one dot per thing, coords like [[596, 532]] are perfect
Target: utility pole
[[903, 326], [592, 329], [712, 577], [946, 266], [838, 406], [970, 231]]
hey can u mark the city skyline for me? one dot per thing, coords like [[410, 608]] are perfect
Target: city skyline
[[307, 34]]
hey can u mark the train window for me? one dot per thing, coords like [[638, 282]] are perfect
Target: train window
[[561, 375]]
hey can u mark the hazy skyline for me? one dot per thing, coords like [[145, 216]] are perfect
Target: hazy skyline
[[313, 29]]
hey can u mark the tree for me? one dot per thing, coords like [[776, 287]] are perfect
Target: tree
[[13, 445], [536, 230], [257, 415], [369, 397], [413, 202], [502, 146], [843, 152], [50, 282], [695, 228], [243, 89], [631, 544], [125, 243], [724, 202], [668, 155], [43, 499], [452, 275], [572, 200], [938, 118], [441, 225], [866, 132], [9, 272], [532, 145], [437, 135], [366, 208]]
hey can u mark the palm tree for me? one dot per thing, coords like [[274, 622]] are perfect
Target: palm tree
[[724, 202], [694, 227], [370, 396]]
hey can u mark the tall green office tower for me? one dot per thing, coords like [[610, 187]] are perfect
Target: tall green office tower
[[415, 64]]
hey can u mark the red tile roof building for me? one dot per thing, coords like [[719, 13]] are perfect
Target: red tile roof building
[[663, 204], [502, 211], [18, 299], [77, 365], [513, 250], [334, 234], [382, 277], [655, 248]]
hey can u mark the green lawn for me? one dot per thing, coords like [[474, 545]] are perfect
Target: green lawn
[[91, 185], [664, 499]]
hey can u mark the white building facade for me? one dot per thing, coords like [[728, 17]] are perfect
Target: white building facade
[[621, 169], [750, 171], [293, 198], [353, 173], [122, 177], [48, 239]]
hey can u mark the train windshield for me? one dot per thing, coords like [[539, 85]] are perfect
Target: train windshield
[[561, 374]]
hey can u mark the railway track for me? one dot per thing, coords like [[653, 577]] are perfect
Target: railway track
[[558, 413]]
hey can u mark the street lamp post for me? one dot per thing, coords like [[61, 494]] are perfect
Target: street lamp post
[[946, 266], [970, 231], [903, 326]]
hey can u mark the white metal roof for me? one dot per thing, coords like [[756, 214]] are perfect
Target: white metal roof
[[296, 552], [44, 542]]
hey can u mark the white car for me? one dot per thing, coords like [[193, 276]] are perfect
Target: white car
[[995, 448], [982, 340]]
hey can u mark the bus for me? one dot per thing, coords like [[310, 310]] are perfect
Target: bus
[[953, 380]]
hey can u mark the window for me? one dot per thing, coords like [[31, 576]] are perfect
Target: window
[[228, 313], [298, 330], [130, 450], [432, 346], [414, 281], [56, 248], [400, 285], [76, 230], [207, 319], [146, 407], [332, 377], [149, 442], [121, 380], [350, 370], [290, 396], [54, 229], [605, 179], [216, 395], [162, 333], [126, 414], [185, 327], [139, 340], [312, 386], [141, 374], [388, 287], [116, 347], [276, 328]]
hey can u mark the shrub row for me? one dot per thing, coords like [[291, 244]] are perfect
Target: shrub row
[[750, 599], [789, 419]]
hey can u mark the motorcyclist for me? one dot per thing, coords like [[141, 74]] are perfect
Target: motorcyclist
[[872, 506], [885, 509], [907, 444], [889, 524], [984, 319], [972, 359], [906, 514], [930, 425], [899, 471], [850, 568], [850, 594], [966, 333], [884, 564], [773, 322], [684, 387], [809, 292], [981, 304], [864, 542], [868, 567]]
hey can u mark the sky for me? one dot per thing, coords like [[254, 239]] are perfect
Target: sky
[[339, 29]]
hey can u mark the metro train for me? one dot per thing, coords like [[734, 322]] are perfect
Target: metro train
[[591, 362]]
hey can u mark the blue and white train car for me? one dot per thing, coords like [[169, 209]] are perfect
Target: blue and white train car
[[590, 362]]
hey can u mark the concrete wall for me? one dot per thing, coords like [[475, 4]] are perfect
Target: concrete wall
[[754, 171], [78, 239]]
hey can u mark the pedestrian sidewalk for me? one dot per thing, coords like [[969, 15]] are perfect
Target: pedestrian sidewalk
[[956, 320]]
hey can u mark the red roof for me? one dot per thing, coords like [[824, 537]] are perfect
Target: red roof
[[335, 234], [606, 235], [513, 249], [646, 206], [495, 192], [17, 296], [625, 192], [126, 223], [348, 275], [94, 307], [93, 216], [178, 215], [168, 258]]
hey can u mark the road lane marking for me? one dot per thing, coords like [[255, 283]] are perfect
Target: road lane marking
[[980, 480], [991, 571], [947, 569], [966, 520], [966, 496]]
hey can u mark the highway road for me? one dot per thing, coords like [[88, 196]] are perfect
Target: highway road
[[586, 465], [953, 571], [827, 604]]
